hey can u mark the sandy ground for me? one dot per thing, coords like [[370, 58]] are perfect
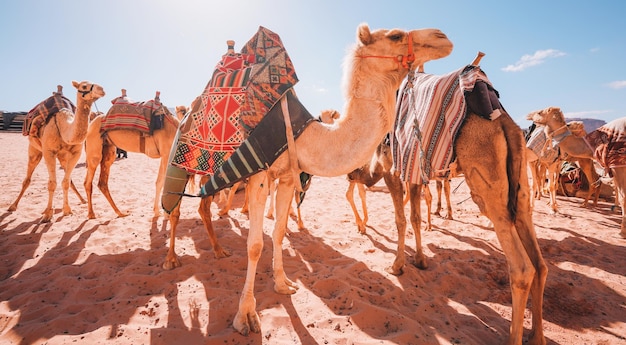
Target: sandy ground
[[100, 281]]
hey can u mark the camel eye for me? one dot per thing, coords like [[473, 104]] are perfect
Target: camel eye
[[396, 37]]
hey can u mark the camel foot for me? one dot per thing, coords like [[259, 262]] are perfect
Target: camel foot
[[220, 252], [286, 287], [91, 215], [247, 322], [223, 212], [361, 228], [244, 210], [47, 216], [12, 208], [268, 216], [171, 263], [420, 262], [395, 271], [301, 226], [623, 234], [536, 338], [125, 214]]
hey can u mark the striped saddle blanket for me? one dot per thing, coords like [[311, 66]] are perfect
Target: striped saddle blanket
[[429, 112], [538, 143], [44, 111], [609, 144], [144, 117]]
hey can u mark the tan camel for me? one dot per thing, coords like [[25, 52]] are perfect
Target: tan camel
[[101, 150], [577, 147], [542, 165], [373, 74], [61, 138], [491, 154], [586, 165], [574, 147]]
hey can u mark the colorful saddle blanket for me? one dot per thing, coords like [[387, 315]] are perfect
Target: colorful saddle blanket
[[609, 144], [236, 127], [537, 142], [243, 88], [144, 117], [44, 111], [429, 112]]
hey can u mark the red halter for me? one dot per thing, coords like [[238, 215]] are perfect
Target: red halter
[[403, 60]]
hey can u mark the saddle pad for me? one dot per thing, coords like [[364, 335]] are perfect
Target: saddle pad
[[609, 144], [42, 112], [243, 88], [130, 115], [429, 112], [537, 143]]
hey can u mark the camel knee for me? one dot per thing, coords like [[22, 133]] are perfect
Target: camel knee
[[254, 251]]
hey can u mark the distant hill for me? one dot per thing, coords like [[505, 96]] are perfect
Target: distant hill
[[590, 124]]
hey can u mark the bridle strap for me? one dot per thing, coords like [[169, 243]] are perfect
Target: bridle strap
[[86, 92], [403, 60]]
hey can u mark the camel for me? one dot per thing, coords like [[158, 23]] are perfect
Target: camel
[[552, 117], [574, 147], [101, 150], [491, 154], [61, 138], [546, 162], [374, 70]]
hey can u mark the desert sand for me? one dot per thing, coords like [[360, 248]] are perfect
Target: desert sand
[[80, 281]]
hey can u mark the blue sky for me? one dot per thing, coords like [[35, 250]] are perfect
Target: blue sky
[[570, 54]]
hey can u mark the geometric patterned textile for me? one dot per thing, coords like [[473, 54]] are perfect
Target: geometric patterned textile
[[43, 112], [242, 89], [609, 144], [130, 115]]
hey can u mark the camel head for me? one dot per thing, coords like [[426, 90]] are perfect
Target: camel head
[[88, 91], [181, 110], [397, 49], [551, 117], [577, 128]]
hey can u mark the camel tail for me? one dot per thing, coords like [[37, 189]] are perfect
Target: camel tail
[[515, 161]]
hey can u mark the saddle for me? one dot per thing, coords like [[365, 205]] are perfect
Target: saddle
[[39, 116]]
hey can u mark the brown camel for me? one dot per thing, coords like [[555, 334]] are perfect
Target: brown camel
[[374, 73], [491, 154], [577, 147], [61, 138], [101, 150], [586, 165]]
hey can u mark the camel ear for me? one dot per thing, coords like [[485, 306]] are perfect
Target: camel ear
[[75, 83], [363, 34]]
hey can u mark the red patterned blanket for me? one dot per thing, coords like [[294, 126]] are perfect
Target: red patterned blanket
[[429, 112], [243, 88], [139, 116], [609, 143], [42, 112]]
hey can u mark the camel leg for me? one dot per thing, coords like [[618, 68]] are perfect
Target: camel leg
[[246, 202], [350, 196], [229, 200], [34, 157], [247, 319], [270, 209], [553, 180], [68, 163], [300, 221], [415, 191], [108, 157], [205, 213], [396, 188], [439, 186], [446, 191], [586, 165], [50, 161], [73, 186], [284, 197], [428, 198], [171, 260]]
